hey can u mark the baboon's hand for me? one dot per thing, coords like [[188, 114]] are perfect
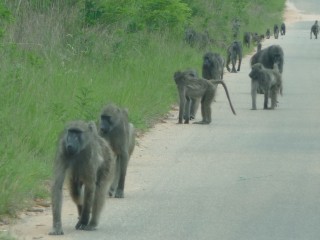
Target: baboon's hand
[[56, 231]]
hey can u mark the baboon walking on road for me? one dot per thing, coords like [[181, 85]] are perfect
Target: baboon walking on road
[[197, 88], [116, 129], [269, 80], [90, 164], [276, 31], [234, 51], [314, 30], [283, 29]]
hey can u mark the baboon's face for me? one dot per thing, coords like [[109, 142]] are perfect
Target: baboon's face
[[207, 61], [255, 71], [106, 124], [73, 141]]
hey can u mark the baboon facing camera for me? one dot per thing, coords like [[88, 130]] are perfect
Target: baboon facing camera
[[234, 52], [89, 163], [269, 80], [314, 30], [120, 133], [197, 88]]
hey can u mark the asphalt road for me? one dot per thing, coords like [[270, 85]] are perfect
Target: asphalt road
[[253, 176]]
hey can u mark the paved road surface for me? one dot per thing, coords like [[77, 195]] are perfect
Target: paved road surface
[[253, 176]]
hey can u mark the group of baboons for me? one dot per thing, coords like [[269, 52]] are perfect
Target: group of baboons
[[266, 77], [95, 160]]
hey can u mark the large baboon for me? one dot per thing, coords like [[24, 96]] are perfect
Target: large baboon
[[283, 29], [247, 39], [268, 33], [90, 164], [234, 51], [314, 30], [197, 88], [276, 31], [116, 129], [269, 80], [268, 56]]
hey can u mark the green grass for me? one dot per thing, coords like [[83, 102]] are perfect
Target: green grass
[[53, 70]]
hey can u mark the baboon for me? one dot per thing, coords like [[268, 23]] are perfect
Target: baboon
[[276, 31], [314, 30], [194, 88], [197, 39], [120, 133], [283, 29], [234, 52], [259, 47], [247, 39], [194, 103], [268, 33], [268, 56], [90, 164], [269, 80], [213, 66]]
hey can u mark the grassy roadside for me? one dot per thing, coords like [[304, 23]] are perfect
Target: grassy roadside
[[54, 70]]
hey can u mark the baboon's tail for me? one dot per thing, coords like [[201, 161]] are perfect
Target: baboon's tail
[[227, 93]]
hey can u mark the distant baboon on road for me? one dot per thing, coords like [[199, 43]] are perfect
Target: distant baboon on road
[[268, 33], [276, 31], [247, 39], [283, 29], [195, 88], [234, 52], [89, 163], [116, 129], [259, 47], [194, 103], [269, 80], [314, 30]]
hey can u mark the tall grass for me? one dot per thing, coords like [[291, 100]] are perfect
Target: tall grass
[[54, 70]]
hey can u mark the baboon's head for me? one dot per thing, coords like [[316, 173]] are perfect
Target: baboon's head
[[256, 71], [77, 134]]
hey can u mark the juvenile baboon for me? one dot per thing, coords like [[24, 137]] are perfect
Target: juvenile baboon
[[269, 56], [234, 52], [269, 80], [276, 31], [259, 47], [197, 88], [90, 164], [314, 30], [116, 129], [283, 29], [247, 39], [268, 33]]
